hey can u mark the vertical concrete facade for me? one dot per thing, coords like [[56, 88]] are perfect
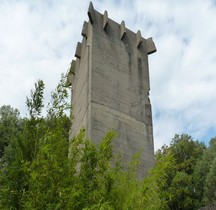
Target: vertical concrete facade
[[110, 87]]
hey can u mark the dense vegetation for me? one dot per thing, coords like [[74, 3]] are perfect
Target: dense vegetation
[[41, 169]]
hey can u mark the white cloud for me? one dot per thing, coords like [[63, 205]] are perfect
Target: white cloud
[[182, 71], [38, 40]]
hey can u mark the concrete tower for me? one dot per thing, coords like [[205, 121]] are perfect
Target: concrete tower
[[110, 87]]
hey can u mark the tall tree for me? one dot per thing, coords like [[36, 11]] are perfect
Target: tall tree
[[210, 184], [10, 125], [204, 169], [179, 190]]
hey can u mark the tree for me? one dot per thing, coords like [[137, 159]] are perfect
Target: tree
[[39, 135], [202, 170], [42, 169], [156, 183], [186, 152], [210, 184], [14, 177], [179, 189], [10, 125]]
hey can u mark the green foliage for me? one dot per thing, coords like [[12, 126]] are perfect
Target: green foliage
[[186, 152], [59, 105], [180, 186], [156, 183], [126, 191], [190, 182], [39, 145], [10, 125], [41, 169], [35, 103], [91, 166], [203, 170], [210, 184], [49, 172]]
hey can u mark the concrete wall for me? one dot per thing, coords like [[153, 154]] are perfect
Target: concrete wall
[[111, 87]]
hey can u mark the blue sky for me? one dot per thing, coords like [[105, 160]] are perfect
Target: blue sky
[[38, 39]]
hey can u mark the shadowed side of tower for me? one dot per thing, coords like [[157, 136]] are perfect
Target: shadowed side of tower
[[110, 87]]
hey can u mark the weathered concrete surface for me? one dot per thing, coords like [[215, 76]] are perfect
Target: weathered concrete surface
[[110, 88]]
